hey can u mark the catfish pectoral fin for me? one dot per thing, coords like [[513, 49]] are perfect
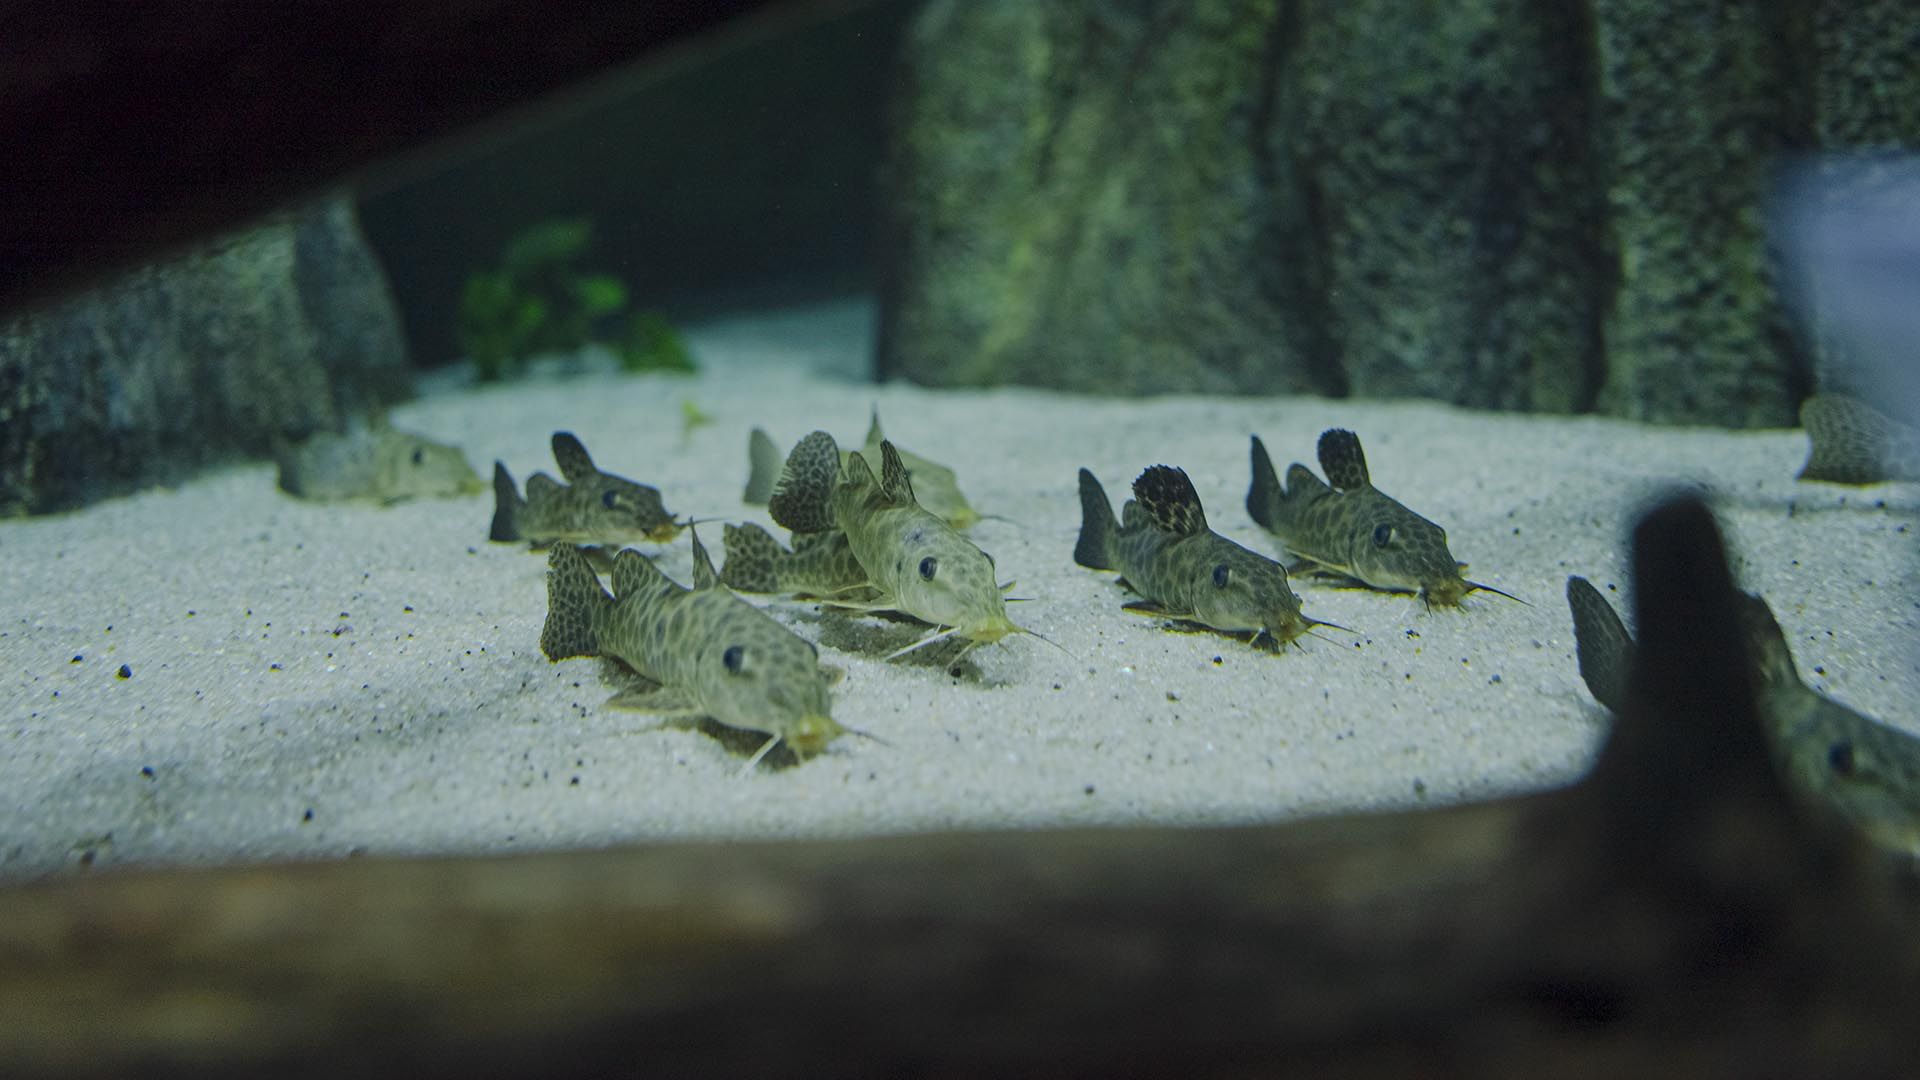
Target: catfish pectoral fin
[[879, 602], [1149, 607], [663, 701], [1306, 564]]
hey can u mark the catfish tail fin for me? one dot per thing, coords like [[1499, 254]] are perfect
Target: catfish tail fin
[[573, 595], [802, 501]]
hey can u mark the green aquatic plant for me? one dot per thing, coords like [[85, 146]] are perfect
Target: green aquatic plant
[[652, 344], [538, 300], [692, 419]]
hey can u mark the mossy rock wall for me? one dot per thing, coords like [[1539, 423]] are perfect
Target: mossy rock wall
[[1499, 203], [274, 333]]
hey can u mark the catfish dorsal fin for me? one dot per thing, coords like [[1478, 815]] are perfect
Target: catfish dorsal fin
[[1264, 493], [871, 492], [874, 435], [634, 572], [571, 456], [763, 468], [1601, 643], [1342, 460], [704, 575], [507, 505], [893, 475], [1167, 497], [1300, 481], [541, 486]]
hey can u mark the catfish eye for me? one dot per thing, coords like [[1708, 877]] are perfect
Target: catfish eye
[[1382, 534], [733, 658], [927, 567], [606, 498], [1220, 576], [1840, 758], [419, 455]]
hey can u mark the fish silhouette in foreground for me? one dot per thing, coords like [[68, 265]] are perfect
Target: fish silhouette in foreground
[[1850, 442], [591, 508], [935, 486], [1346, 527], [1164, 551], [1838, 759], [375, 462], [696, 652], [912, 561]]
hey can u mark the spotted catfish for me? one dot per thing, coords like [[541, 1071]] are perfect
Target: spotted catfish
[[592, 507], [913, 561], [697, 652], [1164, 551], [1347, 527], [820, 565], [935, 486], [375, 462], [1852, 443], [1839, 760]]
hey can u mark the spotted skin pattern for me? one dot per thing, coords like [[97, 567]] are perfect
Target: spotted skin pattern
[[1837, 760], [1849, 442], [711, 653], [379, 463], [592, 507], [802, 501], [1348, 527], [1165, 552], [935, 487], [914, 561], [820, 565]]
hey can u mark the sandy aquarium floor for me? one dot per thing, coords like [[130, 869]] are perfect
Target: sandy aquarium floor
[[309, 681]]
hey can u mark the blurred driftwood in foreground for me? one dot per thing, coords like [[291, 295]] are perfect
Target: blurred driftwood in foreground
[[1670, 915]]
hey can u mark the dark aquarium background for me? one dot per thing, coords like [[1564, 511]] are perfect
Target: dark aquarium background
[[748, 181]]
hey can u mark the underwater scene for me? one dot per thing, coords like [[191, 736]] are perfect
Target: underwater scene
[[992, 417]]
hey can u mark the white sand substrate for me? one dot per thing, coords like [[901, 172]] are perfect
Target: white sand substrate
[[313, 681]]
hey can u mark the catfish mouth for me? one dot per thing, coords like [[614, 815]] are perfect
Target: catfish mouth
[[1450, 591], [1280, 633], [990, 630], [812, 732], [663, 533], [984, 632], [1446, 592]]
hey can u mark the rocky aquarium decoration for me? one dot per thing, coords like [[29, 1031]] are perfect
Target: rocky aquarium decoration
[[1551, 207], [273, 333]]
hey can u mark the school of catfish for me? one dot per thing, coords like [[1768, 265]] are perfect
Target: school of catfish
[[881, 530]]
